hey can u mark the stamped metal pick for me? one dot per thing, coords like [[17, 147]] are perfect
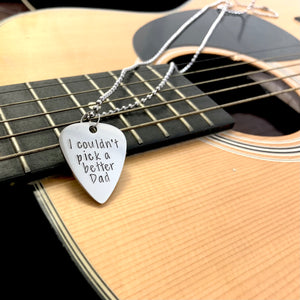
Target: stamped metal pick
[[96, 157]]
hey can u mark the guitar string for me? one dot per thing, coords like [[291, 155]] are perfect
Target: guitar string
[[224, 7], [139, 82], [166, 90], [232, 56], [150, 123], [165, 103]]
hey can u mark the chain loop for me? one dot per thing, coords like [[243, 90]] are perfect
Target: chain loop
[[225, 6]]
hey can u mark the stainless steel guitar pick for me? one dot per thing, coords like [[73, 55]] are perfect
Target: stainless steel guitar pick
[[95, 154]]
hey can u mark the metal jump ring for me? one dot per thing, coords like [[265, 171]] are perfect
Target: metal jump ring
[[88, 117]]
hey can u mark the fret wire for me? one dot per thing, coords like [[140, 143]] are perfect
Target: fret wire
[[191, 104], [171, 101], [163, 100], [146, 110], [190, 72], [15, 143], [192, 84], [43, 108], [73, 98], [150, 123], [122, 117]]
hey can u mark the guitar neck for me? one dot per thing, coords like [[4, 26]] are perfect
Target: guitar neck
[[33, 115]]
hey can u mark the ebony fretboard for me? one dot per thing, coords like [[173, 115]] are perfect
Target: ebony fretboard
[[33, 114]]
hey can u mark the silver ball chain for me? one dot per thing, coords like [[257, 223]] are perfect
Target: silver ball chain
[[224, 6]]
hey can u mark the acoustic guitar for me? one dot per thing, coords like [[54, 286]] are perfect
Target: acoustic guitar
[[207, 206]]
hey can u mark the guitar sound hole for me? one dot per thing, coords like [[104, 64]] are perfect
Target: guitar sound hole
[[267, 117]]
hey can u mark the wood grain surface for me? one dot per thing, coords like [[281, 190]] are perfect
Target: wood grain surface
[[211, 218]]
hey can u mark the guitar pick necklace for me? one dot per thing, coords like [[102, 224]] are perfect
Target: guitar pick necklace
[[95, 151]]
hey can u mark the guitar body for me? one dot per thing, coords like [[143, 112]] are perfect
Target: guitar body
[[215, 217]]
